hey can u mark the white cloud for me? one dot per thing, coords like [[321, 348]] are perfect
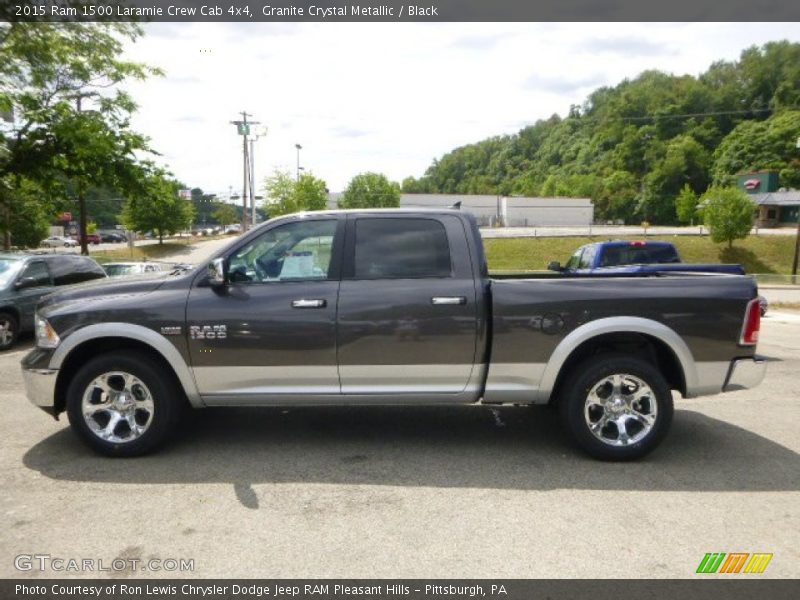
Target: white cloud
[[389, 97]]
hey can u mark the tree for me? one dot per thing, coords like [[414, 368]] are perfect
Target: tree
[[285, 195], [371, 190], [224, 214], [280, 199], [686, 205], [157, 207], [728, 214], [49, 74], [310, 193]]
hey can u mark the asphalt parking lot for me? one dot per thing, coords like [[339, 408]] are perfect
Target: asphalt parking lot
[[413, 492]]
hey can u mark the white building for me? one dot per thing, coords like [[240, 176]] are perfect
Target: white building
[[500, 210]]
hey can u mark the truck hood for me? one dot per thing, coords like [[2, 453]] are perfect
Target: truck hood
[[103, 289]]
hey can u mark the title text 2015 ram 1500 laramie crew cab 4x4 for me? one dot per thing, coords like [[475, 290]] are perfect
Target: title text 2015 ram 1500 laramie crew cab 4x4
[[388, 307]]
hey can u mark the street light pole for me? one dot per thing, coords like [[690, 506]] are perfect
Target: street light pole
[[299, 147], [263, 132]]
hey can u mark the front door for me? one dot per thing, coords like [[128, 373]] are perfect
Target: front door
[[34, 282], [270, 334], [407, 307]]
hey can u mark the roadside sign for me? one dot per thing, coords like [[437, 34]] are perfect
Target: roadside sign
[[185, 194], [65, 216]]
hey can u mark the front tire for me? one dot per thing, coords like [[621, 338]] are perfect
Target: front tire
[[123, 405], [617, 407], [9, 330]]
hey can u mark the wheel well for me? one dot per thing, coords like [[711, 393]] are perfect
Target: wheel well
[[12, 311], [640, 345], [99, 346]]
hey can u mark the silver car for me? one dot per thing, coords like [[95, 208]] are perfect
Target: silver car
[[59, 241]]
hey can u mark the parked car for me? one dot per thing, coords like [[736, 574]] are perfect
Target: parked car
[[389, 307], [122, 269], [616, 257], [112, 238], [91, 238], [25, 278], [59, 241]]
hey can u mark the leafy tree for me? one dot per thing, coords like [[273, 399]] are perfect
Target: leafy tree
[[686, 205], [285, 195], [371, 190], [310, 193], [157, 207], [728, 214], [769, 144], [71, 119], [28, 225], [224, 214], [280, 198]]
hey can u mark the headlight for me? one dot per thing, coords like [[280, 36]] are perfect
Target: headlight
[[46, 336]]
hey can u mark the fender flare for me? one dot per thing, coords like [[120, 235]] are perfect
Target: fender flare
[[607, 325], [134, 332]]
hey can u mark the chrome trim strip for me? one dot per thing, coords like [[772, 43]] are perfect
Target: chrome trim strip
[[616, 325], [338, 399], [406, 379], [135, 332], [323, 379], [513, 382], [745, 373], [40, 386]]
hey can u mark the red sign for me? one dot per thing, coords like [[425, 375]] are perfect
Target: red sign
[[67, 216], [752, 184]]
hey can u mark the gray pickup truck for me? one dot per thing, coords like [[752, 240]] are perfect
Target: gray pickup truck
[[388, 307]]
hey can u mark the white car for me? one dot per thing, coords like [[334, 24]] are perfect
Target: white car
[[58, 241], [122, 269]]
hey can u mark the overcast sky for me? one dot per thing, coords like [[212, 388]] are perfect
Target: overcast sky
[[389, 97]]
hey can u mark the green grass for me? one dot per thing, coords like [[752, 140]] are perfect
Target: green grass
[[785, 305], [167, 250], [758, 254]]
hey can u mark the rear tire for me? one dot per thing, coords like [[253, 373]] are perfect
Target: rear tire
[[9, 330], [123, 405], [616, 407]]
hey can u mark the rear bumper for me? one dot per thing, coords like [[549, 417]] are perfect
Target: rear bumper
[[40, 387], [745, 373]]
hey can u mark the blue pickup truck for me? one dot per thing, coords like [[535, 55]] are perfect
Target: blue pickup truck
[[616, 257]]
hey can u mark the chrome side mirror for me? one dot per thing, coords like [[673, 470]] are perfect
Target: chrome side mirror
[[217, 272]]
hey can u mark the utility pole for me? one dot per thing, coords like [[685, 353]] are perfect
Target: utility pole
[[797, 236], [243, 128]]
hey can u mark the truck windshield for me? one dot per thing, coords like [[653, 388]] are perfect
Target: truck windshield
[[638, 255], [8, 270]]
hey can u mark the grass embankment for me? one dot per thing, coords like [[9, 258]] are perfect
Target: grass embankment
[[785, 305], [171, 251], [758, 254]]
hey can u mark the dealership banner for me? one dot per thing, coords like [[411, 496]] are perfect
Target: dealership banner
[[395, 589], [248, 11]]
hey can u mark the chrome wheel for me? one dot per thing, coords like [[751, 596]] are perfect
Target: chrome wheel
[[117, 407], [7, 332], [620, 409]]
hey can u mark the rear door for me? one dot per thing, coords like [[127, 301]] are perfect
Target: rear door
[[270, 335], [407, 306]]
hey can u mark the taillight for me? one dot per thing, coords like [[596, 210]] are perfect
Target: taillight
[[752, 324]]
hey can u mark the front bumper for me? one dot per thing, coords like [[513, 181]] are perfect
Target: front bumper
[[40, 387], [745, 373]]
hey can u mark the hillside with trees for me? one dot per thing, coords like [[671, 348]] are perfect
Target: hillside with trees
[[633, 148]]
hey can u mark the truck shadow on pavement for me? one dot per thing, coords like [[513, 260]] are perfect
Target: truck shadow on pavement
[[463, 447]]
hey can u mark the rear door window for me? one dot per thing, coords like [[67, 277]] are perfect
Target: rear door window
[[38, 271], [401, 249]]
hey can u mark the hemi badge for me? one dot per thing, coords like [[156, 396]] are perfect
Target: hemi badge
[[170, 330]]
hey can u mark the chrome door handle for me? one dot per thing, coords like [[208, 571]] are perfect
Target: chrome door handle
[[309, 303], [448, 300]]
